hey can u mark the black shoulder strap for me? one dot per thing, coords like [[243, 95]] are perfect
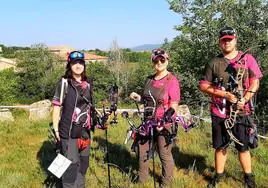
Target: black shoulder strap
[[149, 79], [81, 93], [90, 81]]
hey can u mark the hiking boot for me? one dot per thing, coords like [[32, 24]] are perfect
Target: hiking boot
[[215, 180], [249, 181]]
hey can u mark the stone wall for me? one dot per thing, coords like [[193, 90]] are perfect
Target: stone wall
[[40, 110], [6, 115]]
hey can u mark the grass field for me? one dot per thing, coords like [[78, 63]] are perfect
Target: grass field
[[26, 152]]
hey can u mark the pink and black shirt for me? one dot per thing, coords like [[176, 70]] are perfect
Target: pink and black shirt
[[221, 68], [75, 106]]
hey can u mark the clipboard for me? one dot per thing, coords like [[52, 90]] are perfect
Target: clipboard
[[59, 165]]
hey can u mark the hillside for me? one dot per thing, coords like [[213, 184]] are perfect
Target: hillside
[[145, 47], [26, 153]]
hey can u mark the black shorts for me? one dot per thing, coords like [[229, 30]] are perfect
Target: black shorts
[[220, 137]]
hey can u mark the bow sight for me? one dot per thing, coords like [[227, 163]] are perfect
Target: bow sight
[[102, 119], [113, 101]]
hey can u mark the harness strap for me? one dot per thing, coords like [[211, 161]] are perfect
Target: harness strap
[[64, 85]]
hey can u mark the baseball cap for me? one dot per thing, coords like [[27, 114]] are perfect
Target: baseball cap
[[158, 52], [227, 33], [76, 55]]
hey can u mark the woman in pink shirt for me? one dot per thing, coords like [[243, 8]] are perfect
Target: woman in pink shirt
[[161, 93]]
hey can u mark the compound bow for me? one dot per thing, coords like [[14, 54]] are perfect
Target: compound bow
[[238, 90]]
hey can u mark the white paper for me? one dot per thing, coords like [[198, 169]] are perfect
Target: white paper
[[59, 165], [129, 133]]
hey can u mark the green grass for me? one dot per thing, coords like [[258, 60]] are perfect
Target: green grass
[[26, 152]]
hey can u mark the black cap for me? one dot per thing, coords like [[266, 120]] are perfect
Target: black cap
[[227, 32]]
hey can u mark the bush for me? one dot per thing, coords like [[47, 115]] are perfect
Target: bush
[[38, 71], [103, 79], [136, 80], [8, 87]]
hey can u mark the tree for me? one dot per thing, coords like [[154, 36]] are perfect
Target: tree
[[10, 52], [99, 52], [8, 87], [103, 79], [116, 59], [136, 80], [38, 71], [198, 39], [165, 44]]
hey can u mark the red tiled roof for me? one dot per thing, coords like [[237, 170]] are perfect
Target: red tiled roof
[[94, 57]]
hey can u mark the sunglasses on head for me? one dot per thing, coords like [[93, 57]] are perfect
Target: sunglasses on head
[[227, 32], [158, 52], [76, 55], [161, 59]]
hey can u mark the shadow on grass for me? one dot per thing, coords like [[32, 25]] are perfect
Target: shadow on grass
[[45, 156], [119, 157], [196, 163], [190, 162]]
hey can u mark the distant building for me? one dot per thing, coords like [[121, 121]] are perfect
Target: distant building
[[6, 63], [63, 52], [95, 58]]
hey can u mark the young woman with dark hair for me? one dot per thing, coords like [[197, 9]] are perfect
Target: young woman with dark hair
[[71, 119]]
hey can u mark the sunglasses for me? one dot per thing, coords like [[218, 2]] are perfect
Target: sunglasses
[[77, 61], [227, 32], [158, 52], [162, 60], [76, 55]]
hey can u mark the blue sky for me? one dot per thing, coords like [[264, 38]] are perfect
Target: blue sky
[[86, 24]]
